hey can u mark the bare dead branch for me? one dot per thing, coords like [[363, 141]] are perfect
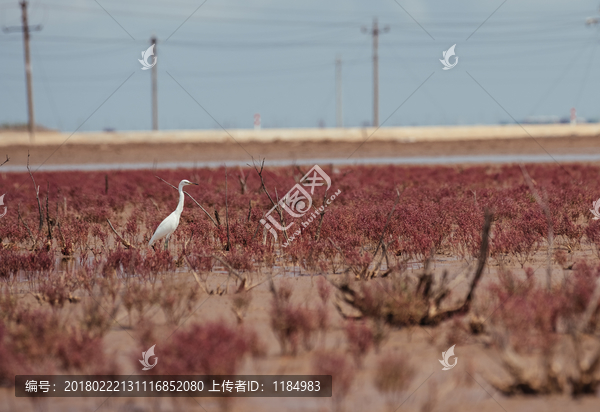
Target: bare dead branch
[[155, 205], [318, 234], [481, 260], [338, 249], [544, 205], [195, 275], [424, 307], [243, 179], [591, 308], [6, 161], [231, 269], [577, 375], [299, 170], [228, 247], [190, 196], [123, 241], [61, 235], [255, 285], [37, 192], [262, 180], [243, 281], [483, 252], [25, 224], [387, 222], [375, 271], [264, 187], [258, 226], [48, 223]]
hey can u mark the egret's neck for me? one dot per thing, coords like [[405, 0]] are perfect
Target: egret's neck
[[181, 197]]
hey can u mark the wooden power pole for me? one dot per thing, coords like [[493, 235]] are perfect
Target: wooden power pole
[[375, 31], [26, 29], [30, 110], [154, 89]]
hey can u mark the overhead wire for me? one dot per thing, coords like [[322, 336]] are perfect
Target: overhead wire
[[529, 33], [357, 21], [586, 76], [49, 94], [558, 80]]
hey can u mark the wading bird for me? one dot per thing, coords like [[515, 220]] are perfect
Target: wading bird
[[169, 225]]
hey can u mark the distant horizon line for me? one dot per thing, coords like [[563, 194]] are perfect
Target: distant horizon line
[[22, 127]]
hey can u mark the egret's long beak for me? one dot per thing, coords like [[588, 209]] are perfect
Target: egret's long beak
[[192, 183]]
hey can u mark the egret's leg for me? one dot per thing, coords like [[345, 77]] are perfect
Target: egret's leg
[[167, 242]]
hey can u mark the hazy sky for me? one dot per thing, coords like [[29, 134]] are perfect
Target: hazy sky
[[237, 58]]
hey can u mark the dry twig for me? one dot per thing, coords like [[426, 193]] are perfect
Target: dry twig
[[264, 187], [227, 213], [25, 224], [231, 269], [322, 213], [424, 306], [37, 196], [190, 196], [243, 179], [123, 241], [196, 275], [544, 205]]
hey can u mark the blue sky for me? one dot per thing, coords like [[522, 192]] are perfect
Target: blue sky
[[237, 58]]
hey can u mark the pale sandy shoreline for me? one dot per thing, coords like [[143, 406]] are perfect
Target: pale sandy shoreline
[[141, 150], [390, 134]]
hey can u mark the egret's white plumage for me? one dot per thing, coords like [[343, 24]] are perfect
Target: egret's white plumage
[[168, 226]]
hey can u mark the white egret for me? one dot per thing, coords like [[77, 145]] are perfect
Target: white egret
[[169, 225]]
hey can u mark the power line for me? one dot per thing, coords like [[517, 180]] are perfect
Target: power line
[[309, 42], [585, 77], [446, 22], [49, 94], [236, 20], [203, 75]]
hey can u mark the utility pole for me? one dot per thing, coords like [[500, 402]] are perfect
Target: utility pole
[[26, 29], [339, 118], [375, 33], [30, 110], [154, 88]]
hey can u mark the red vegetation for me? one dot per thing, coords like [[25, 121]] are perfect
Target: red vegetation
[[208, 349], [441, 209], [34, 341], [292, 323], [342, 371], [544, 334], [360, 339], [535, 315], [394, 373]]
